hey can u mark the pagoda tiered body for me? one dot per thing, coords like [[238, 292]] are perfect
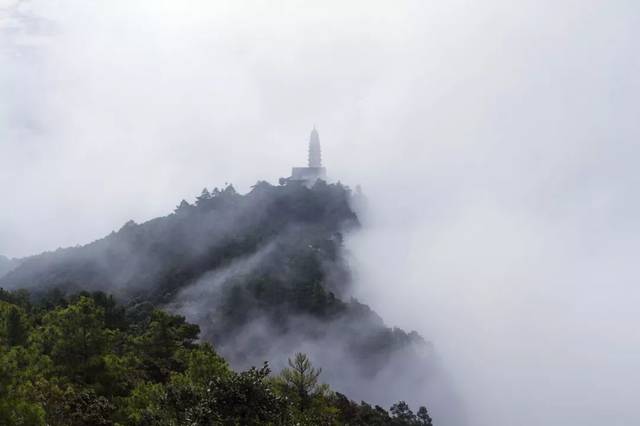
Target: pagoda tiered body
[[314, 171]]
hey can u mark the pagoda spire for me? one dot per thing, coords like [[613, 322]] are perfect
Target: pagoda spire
[[315, 153]]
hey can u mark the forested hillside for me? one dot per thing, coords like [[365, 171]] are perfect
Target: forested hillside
[[263, 275], [84, 360], [155, 260]]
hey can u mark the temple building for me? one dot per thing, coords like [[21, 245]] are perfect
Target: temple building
[[314, 171]]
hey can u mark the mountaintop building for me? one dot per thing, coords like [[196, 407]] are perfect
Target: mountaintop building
[[314, 171]]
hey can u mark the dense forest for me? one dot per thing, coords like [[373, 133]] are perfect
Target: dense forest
[[262, 276], [85, 360]]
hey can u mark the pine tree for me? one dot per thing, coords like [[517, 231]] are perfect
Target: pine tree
[[302, 378], [184, 206], [402, 414], [204, 196], [423, 417]]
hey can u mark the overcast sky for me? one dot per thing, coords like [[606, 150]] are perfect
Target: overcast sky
[[497, 141]]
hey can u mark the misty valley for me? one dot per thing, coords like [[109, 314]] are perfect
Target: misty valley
[[233, 310]]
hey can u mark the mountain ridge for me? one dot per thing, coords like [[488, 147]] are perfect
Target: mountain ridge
[[263, 274]]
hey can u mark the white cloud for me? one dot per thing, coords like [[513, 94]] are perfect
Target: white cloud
[[497, 142]]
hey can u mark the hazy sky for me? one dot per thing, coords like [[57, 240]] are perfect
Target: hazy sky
[[497, 141]]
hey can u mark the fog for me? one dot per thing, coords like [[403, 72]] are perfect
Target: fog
[[496, 142]]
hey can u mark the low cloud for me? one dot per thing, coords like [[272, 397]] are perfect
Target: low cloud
[[496, 143]]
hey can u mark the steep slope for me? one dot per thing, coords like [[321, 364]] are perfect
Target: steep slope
[[263, 274], [154, 260]]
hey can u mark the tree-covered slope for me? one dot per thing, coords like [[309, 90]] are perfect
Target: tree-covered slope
[[86, 361], [155, 259], [263, 275]]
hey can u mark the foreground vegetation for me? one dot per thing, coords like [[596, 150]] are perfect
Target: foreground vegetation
[[85, 360]]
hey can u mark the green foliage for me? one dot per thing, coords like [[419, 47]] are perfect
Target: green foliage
[[300, 381], [402, 414], [292, 238], [75, 338], [165, 334], [86, 408], [244, 398], [86, 360], [201, 363], [13, 325], [20, 413]]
